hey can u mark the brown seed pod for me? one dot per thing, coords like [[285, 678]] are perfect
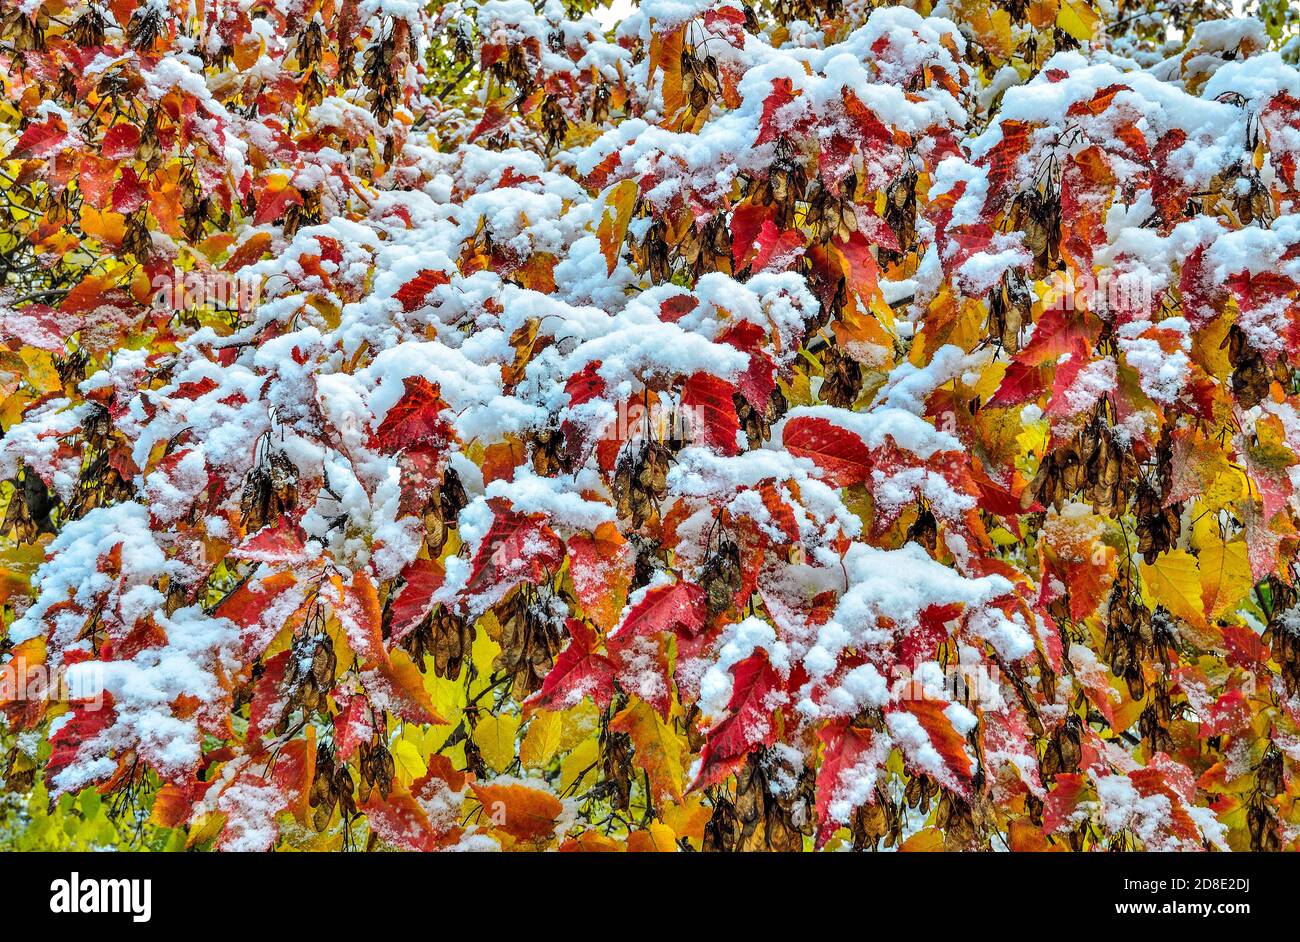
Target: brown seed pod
[[641, 481], [532, 634], [1037, 213], [772, 817], [720, 576], [270, 490], [722, 832], [446, 637], [1157, 526], [616, 764], [144, 27], [841, 378]]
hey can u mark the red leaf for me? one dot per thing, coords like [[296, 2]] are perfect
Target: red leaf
[[759, 379], [844, 747], [357, 607], [1245, 649], [353, 724], [493, 120], [749, 723], [272, 204], [673, 309], [518, 547], [413, 293], [249, 605], [42, 140], [842, 456], [400, 821], [1168, 190], [423, 577], [747, 221], [1002, 160], [1021, 383], [1063, 402], [120, 141], [708, 401], [680, 607], [863, 269], [585, 385], [777, 250], [776, 120], [943, 738], [84, 723], [269, 697], [1061, 801], [129, 194], [281, 543], [415, 419], [579, 673]]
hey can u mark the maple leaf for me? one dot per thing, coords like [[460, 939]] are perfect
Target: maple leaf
[[601, 569], [526, 814], [353, 724], [941, 751], [1174, 580], [748, 221], [1068, 791], [841, 783], [399, 820], [1225, 575], [614, 219], [842, 456], [86, 721], [254, 605], [422, 577], [518, 547], [659, 750], [280, 542], [578, 673], [120, 141], [42, 139], [414, 420], [680, 607], [411, 295], [269, 697], [748, 724], [655, 839], [776, 250], [708, 400], [779, 117]]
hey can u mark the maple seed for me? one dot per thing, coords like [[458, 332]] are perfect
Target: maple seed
[[270, 490]]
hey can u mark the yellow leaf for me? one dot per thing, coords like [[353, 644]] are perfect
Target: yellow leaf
[[41, 372], [688, 818], [657, 838], [1174, 581], [448, 696], [924, 841], [542, 740], [1225, 575], [580, 722], [658, 747], [495, 738], [579, 765], [615, 214], [1078, 19], [406, 758]]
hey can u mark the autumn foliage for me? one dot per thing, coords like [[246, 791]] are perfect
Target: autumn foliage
[[774, 427]]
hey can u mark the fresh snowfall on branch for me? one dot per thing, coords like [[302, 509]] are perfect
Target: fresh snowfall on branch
[[697, 425]]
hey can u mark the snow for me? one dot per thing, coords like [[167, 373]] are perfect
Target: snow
[[313, 370]]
